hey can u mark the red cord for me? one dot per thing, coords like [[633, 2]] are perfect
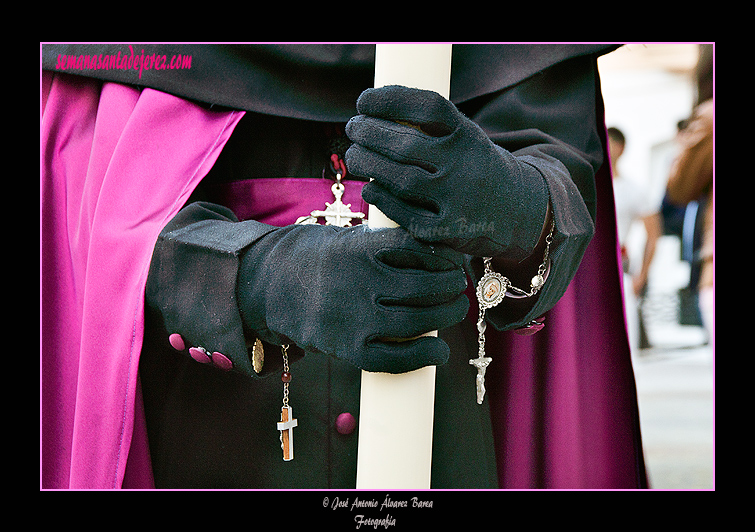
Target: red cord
[[338, 164]]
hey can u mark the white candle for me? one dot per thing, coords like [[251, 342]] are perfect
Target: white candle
[[396, 411]]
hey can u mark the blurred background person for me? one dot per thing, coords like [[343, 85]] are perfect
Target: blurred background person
[[632, 204], [691, 180]]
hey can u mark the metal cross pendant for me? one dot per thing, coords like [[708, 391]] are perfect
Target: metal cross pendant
[[338, 213], [490, 292], [481, 363], [286, 428]]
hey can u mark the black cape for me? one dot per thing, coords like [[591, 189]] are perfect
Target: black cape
[[308, 81]]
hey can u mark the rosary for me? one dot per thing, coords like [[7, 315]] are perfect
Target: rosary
[[287, 423], [491, 290]]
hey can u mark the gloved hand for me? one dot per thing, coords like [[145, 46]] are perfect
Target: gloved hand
[[346, 291], [447, 182]]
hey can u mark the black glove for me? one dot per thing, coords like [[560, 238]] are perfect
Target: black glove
[[346, 291], [447, 182]]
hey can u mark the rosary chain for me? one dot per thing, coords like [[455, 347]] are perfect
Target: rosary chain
[[284, 349], [481, 326], [494, 296], [537, 281]]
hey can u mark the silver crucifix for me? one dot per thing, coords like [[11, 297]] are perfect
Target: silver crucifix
[[490, 292], [481, 363]]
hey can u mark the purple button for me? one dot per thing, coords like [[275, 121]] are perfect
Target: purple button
[[345, 423], [199, 354], [222, 361], [532, 327], [177, 342]]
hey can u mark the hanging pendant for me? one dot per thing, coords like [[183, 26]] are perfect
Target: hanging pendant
[[286, 427], [481, 363], [491, 289], [490, 292], [288, 422], [337, 213]]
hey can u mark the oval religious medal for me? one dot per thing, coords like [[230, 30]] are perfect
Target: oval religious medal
[[492, 289], [258, 355]]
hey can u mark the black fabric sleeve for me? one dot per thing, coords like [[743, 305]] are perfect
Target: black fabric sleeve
[[549, 122], [192, 281]]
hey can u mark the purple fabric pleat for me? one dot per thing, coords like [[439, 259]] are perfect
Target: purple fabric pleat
[[117, 163], [563, 401]]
